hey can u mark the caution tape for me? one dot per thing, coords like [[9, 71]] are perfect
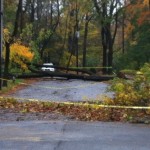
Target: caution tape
[[90, 67], [96, 106], [21, 99], [5, 79], [107, 106], [56, 88]]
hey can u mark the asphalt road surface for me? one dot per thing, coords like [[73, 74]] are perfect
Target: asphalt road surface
[[64, 134], [64, 90], [72, 135]]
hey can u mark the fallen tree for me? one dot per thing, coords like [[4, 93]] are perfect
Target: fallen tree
[[79, 70], [39, 73], [81, 73]]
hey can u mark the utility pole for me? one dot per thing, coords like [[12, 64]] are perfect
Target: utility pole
[[77, 35], [1, 40]]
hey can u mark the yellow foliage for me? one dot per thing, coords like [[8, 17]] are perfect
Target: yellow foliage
[[65, 59], [20, 53], [6, 35], [135, 92], [129, 29], [146, 3]]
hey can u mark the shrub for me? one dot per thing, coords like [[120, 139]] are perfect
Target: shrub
[[132, 92]]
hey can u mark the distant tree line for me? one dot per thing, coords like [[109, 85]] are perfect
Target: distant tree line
[[106, 33]]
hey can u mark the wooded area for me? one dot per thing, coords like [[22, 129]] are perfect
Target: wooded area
[[110, 34]]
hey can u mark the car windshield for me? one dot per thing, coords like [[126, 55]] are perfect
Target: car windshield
[[48, 64]]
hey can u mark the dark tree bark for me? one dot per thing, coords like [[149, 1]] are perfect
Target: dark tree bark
[[104, 45], [64, 75], [76, 35], [32, 11], [51, 15], [82, 70], [53, 26], [85, 43], [8, 43], [107, 16], [18, 18], [64, 41], [67, 76], [6, 68], [87, 20], [123, 34]]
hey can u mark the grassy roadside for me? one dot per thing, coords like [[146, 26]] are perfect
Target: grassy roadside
[[17, 85], [11, 85]]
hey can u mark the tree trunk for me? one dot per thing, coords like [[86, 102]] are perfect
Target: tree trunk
[[123, 30], [76, 34], [107, 17], [107, 43], [104, 44], [6, 67], [110, 50], [85, 41], [21, 18], [7, 44], [110, 58], [18, 15], [32, 11]]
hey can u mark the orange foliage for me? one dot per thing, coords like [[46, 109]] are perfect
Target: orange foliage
[[128, 30], [146, 3], [20, 53], [139, 10], [144, 17]]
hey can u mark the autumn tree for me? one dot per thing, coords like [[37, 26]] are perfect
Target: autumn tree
[[12, 23], [88, 15], [108, 11], [139, 45], [137, 37], [19, 54], [42, 19]]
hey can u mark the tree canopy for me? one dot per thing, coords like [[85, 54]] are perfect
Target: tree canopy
[[95, 33]]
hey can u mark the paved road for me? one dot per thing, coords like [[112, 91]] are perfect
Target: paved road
[[63, 90], [71, 135]]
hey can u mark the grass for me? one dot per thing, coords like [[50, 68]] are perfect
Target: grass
[[10, 85]]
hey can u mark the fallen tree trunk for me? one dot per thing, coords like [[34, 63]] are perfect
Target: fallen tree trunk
[[64, 75], [67, 76], [61, 68]]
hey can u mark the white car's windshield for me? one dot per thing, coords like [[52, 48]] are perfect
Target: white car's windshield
[[48, 64]]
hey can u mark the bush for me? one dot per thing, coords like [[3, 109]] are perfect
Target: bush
[[133, 92], [128, 71]]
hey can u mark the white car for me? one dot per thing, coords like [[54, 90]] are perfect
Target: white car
[[47, 67]]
